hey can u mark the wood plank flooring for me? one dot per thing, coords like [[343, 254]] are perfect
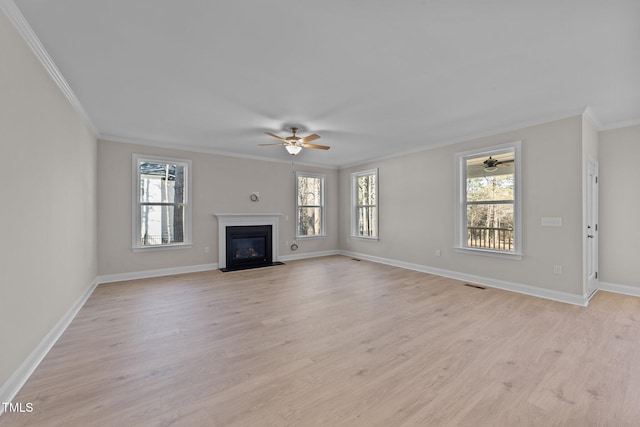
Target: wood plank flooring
[[336, 342]]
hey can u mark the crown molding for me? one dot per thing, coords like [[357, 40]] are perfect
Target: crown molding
[[174, 145], [471, 137], [24, 29], [589, 114], [620, 125]]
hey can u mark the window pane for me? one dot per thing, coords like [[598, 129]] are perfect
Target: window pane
[[490, 226], [366, 190], [366, 221], [309, 221], [161, 225], [498, 187], [489, 216], [161, 182], [309, 191], [490, 177]]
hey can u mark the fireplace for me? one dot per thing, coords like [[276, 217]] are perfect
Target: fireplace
[[247, 222], [248, 246]]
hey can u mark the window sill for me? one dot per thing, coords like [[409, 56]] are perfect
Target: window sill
[[319, 236], [373, 239], [490, 253], [160, 248]]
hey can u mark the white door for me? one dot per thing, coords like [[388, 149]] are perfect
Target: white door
[[592, 227]]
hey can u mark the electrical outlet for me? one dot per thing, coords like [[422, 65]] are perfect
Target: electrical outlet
[[557, 269], [438, 252], [206, 249]]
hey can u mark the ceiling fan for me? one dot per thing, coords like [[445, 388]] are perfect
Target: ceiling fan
[[293, 144], [491, 164]]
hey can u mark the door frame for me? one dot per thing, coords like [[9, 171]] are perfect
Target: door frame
[[591, 232]]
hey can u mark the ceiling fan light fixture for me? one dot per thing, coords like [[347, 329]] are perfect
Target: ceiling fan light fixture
[[294, 144], [293, 149], [490, 169]]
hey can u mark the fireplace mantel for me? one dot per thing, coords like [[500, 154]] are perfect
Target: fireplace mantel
[[234, 219]]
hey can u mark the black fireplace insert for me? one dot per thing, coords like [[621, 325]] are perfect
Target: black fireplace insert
[[248, 247]]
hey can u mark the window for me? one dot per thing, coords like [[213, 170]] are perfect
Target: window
[[364, 196], [489, 209], [162, 213], [309, 205]]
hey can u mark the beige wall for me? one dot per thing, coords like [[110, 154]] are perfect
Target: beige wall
[[221, 184], [619, 248], [48, 256], [417, 209]]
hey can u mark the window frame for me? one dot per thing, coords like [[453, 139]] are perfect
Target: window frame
[[355, 206], [322, 178], [136, 245], [461, 200]]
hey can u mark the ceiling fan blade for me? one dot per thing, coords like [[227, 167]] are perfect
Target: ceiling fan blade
[[319, 147], [275, 143], [276, 136], [310, 138]]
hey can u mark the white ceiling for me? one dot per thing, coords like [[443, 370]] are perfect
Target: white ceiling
[[374, 78]]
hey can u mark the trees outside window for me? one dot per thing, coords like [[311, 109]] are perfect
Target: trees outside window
[[489, 212], [364, 196], [309, 204], [161, 203]]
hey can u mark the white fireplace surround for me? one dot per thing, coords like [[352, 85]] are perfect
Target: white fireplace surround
[[231, 220]]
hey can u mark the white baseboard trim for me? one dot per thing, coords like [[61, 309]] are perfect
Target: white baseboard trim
[[305, 255], [121, 277], [13, 385], [485, 281], [135, 275], [619, 289]]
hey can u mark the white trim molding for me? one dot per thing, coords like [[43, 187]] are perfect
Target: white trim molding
[[160, 272], [307, 255], [15, 382], [146, 274], [232, 220], [633, 291], [183, 146], [20, 23], [589, 114], [485, 281]]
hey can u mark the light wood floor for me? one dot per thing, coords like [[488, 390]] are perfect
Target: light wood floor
[[336, 342]]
